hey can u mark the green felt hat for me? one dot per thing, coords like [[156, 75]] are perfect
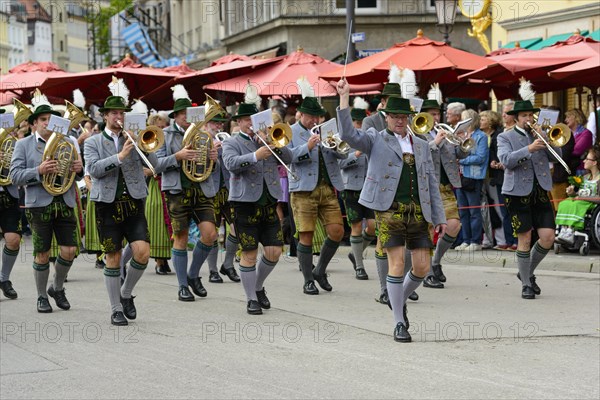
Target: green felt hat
[[398, 105], [522, 106], [358, 114], [311, 106], [245, 110], [430, 104], [219, 118], [180, 104], [114, 103], [42, 109], [391, 89]]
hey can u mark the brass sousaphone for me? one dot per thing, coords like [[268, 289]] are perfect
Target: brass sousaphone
[[7, 140], [199, 170]]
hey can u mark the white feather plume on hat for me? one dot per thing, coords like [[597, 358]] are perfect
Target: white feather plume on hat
[[359, 102], [394, 75], [435, 93], [179, 92], [306, 89], [526, 90], [39, 99], [139, 107], [251, 95], [78, 99], [408, 84], [118, 88]]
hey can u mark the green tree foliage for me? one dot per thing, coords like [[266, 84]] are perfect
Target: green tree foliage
[[100, 20]]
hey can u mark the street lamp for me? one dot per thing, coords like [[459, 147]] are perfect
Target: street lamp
[[446, 13]]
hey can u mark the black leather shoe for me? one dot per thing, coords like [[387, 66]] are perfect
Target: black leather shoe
[[7, 290], [361, 274], [254, 308], [263, 300], [414, 296], [352, 260], [197, 288], [214, 277], [323, 282], [43, 305], [310, 288], [100, 264], [185, 294], [129, 308], [59, 297], [167, 267], [536, 289], [401, 333], [383, 298], [161, 270], [528, 292], [117, 318], [231, 273], [439, 274], [431, 281]]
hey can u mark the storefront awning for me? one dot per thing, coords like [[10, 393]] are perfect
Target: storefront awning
[[553, 39], [524, 44], [595, 35]]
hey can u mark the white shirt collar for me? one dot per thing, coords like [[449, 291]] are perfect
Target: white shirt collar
[[405, 143], [39, 137], [114, 137]]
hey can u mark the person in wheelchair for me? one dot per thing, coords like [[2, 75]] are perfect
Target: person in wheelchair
[[571, 212]]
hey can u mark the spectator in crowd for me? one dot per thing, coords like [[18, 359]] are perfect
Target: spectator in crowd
[[453, 113], [575, 120]]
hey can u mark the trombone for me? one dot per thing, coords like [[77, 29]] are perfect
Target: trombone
[[558, 136], [278, 135], [144, 139]]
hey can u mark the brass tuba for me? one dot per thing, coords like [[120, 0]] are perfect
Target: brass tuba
[[7, 140], [198, 139], [74, 114], [61, 149]]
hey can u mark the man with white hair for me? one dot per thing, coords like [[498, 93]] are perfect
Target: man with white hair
[[453, 112]]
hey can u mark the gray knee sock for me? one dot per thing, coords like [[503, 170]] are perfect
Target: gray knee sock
[[248, 277], [443, 244], [126, 255], [537, 255], [367, 240], [356, 245], [113, 286], [411, 283], [199, 255], [231, 246], [41, 273], [524, 264], [133, 276], [381, 261], [180, 260], [395, 290], [327, 252], [407, 262], [211, 260], [305, 257], [61, 267], [263, 269], [8, 261]]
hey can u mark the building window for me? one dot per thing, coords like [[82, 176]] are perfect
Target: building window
[[62, 46], [365, 7]]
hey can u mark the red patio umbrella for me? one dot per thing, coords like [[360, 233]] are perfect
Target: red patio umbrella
[[279, 78], [94, 84], [181, 69], [582, 73], [506, 70], [25, 77], [430, 60], [231, 57], [161, 97]]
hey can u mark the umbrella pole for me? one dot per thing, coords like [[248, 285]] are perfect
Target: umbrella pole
[[596, 113]]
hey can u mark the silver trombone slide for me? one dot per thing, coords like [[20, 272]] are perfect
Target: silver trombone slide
[[550, 149], [293, 175], [140, 152]]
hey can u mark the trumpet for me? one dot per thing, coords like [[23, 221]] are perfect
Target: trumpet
[[558, 136], [466, 145], [138, 149], [332, 141]]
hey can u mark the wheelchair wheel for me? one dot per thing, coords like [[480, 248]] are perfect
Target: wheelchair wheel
[[584, 250], [595, 227]]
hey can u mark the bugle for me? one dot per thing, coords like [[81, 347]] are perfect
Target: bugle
[[558, 135]]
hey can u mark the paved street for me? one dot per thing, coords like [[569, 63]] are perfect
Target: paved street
[[475, 339]]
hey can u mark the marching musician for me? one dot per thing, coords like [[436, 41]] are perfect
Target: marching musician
[[222, 209], [186, 200], [10, 223], [402, 188], [47, 214], [313, 184], [444, 155], [119, 191], [254, 189], [527, 180], [354, 169]]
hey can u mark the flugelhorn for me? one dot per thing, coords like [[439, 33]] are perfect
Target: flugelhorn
[[332, 141], [466, 145], [558, 136], [8, 140]]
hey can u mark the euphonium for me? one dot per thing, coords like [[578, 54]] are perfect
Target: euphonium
[[279, 135], [7, 140], [61, 149], [200, 169], [74, 114]]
